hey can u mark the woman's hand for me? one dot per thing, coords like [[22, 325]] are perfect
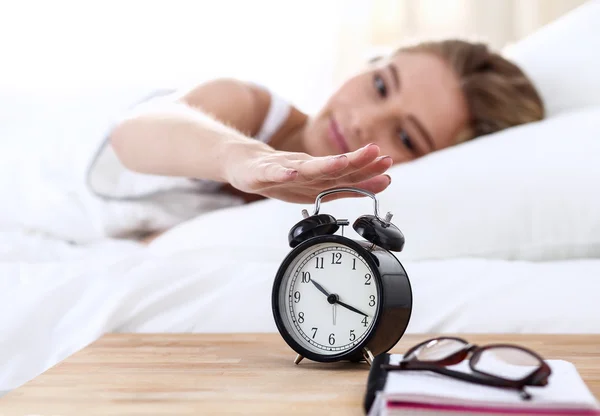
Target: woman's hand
[[299, 177]]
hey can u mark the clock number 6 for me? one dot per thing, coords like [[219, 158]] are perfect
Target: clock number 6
[[331, 339]]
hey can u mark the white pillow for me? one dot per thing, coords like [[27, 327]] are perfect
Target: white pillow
[[530, 192], [563, 59]]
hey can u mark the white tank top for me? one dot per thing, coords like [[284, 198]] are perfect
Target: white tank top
[[108, 178], [145, 203]]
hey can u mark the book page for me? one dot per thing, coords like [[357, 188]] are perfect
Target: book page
[[565, 389]]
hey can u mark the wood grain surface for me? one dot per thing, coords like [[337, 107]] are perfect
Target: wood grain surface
[[203, 374]]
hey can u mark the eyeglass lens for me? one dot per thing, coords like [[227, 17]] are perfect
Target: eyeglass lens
[[506, 362], [438, 349]]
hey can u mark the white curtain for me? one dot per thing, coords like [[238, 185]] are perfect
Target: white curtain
[[372, 27], [74, 44], [300, 48]]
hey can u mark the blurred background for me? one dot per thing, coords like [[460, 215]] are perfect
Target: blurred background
[[302, 49]]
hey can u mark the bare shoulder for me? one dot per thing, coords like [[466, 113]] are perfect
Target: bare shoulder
[[236, 103]]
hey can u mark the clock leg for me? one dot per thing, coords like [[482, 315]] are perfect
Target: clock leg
[[298, 359], [368, 355]]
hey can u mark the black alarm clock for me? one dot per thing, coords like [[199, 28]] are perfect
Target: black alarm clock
[[340, 299]]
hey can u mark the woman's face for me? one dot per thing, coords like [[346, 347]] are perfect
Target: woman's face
[[409, 104]]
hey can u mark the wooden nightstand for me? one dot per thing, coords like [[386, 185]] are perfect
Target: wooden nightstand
[[193, 374]]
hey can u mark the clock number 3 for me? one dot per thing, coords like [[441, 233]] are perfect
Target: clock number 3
[[372, 300]]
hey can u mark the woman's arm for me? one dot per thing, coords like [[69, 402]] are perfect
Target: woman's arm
[[192, 134], [179, 137]]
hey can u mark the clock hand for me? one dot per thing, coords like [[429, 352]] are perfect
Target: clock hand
[[333, 306], [333, 299], [352, 308], [318, 286]]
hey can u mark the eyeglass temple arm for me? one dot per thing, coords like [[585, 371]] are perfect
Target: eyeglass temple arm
[[471, 377]]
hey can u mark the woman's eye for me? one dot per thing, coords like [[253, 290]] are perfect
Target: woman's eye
[[406, 140], [380, 86]]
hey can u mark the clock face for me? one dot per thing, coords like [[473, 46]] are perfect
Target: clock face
[[328, 298]]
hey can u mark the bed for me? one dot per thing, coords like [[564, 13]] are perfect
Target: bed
[[52, 308], [58, 297], [496, 241]]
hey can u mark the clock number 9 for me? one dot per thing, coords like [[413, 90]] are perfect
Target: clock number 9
[[296, 297]]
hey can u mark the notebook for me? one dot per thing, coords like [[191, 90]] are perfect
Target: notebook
[[425, 393]]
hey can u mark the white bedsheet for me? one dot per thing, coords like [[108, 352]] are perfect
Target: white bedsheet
[[56, 298]]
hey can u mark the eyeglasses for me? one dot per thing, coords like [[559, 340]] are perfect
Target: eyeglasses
[[499, 365]]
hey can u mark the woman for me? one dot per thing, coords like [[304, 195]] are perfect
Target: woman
[[237, 138]]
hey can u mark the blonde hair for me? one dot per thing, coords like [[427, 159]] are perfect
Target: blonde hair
[[499, 95]]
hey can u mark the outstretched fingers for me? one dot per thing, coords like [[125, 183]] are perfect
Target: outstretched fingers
[[362, 157], [337, 166], [374, 169], [300, 177], [321, 167], [275, 173], [376, 184], [377, 167]]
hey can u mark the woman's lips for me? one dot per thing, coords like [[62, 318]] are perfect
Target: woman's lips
[[337, 137]]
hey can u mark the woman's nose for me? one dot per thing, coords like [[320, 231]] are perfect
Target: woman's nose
[[364, 125]]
